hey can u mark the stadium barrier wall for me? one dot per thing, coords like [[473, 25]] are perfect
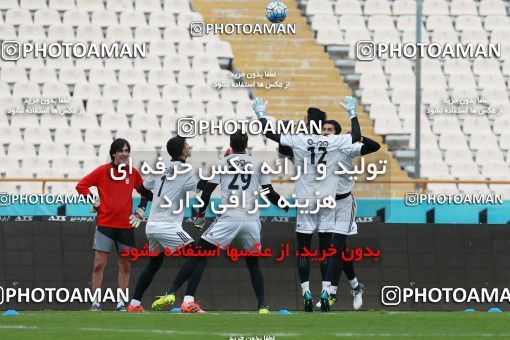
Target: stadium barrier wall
[[58, 254], [389, 210]]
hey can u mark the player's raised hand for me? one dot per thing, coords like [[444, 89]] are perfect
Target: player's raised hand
[[95, 205], [349, 105], [199, 221], [259, 107], [136, 218]]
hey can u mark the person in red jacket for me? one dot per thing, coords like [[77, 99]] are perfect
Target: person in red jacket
[[115, 221]]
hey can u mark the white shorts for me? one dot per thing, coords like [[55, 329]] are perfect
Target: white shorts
[[224, 233], [322, 222], [345, 214], [171, 239]]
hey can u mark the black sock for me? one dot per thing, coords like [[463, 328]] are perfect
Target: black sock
[[147, 275], [335, 263], [349, 270], [195, 278], [257, 280], [188, 267], [303, 263], [324, 243]]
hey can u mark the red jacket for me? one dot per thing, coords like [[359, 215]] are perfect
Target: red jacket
[[115, 195]]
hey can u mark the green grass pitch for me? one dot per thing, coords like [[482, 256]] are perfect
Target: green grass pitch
[[223, 325]]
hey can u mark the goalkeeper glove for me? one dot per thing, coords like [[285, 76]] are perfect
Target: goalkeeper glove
[[349, 105], [95, 205], [199, 221], [136, 218], [260, 108]]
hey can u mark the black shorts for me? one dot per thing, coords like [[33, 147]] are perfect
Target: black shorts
[[106, 237]]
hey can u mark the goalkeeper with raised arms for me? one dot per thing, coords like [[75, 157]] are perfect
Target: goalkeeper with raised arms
[[310, 151]]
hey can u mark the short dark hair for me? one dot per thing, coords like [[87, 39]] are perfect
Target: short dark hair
[[238, 141], [316, 115], [117, 145], [336, 124], [175, 146]]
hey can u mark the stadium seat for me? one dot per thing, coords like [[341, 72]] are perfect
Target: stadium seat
[[204, 93], [347, 7], [158, 19], [485, 66], [465, 170], [432, 7], [98, 136], [495, 22], [146, 92], [351, 22], [124, 6], [144, 122], [463, 7], [403, 7], [21, 151], [119, 33], [388, 125], [12, 73], [53, 121], [220, 108], [161, 77], [148, 6], [46, 16], [176, 6], [9, 4], [18, 16], [89, 33], [483, 140], [176, 63], [314, 7], [131, 77], [52, 150], [488, 154], [61, 33], [68, 135], [162, 48], [28, 32], [377, 7], [116, 91], [323, 21], [439, 22], [492, 7], [72, 76], [496, 171], [175, 92], [329, 37], [114, 121], [9, 135], [219, 49], [147, 34], [131, 106], [387, 35], [131, 18], [190, 78], [26, 89], [7, 32], [89, 5], [133, 136], [104, 18], [206, 63], [190, 108], [176, 34], [55, 89], [73, 17]]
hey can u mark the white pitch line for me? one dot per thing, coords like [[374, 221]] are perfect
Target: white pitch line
[[17, 327], [421, 335], [125, 330]]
